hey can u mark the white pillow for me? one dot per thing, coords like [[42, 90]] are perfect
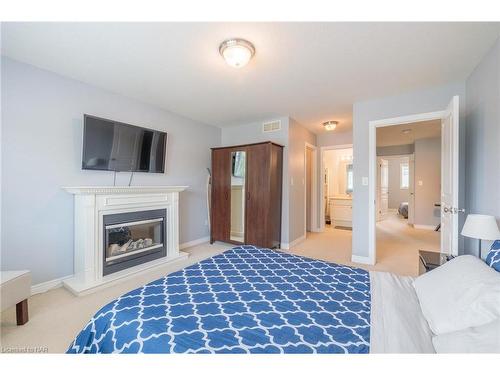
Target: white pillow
[[482, 339], [461, 293]]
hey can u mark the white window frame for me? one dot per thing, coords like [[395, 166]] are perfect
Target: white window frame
[[401, 166]]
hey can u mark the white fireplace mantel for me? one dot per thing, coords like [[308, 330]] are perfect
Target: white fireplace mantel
[[99, 190], [92, 203]]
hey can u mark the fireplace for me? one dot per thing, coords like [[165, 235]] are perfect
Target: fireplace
[[122, 231], [133, 238]]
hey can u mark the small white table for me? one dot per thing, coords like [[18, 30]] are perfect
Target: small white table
[[15, 289]]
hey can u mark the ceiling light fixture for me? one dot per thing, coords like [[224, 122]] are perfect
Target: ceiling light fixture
[[406, 131], [330, 125], [237, 52]]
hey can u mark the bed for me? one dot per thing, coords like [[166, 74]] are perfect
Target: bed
[[253, 300]]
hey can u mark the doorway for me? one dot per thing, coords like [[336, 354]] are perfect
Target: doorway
[[444, 204], [336, 186]]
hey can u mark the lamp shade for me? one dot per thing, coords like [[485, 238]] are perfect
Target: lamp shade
[[483, 227]]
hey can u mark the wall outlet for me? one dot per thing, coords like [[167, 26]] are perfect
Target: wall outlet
[[291, 181], [420, 183]]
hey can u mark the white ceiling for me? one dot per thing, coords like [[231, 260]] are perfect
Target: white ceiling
[[393, 135], [312, 72]]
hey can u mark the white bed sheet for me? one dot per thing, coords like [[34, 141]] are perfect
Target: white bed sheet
[[397, 322]]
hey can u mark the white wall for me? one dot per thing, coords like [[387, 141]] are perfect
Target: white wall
[[421, 101], [42, 116], [298, 136], [427, 172], [396, 194], [483, 140], [334, 138]]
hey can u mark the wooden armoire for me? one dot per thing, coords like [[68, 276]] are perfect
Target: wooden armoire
[[246, 194]]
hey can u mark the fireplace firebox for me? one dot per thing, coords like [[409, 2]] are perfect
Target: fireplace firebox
[[133, 238]]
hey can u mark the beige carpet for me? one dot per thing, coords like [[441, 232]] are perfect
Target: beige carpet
[[397, 246], [57, 316]]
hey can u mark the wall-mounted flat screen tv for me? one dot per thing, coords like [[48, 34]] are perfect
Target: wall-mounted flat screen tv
[[114, 146]]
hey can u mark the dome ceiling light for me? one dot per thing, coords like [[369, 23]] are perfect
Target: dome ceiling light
[[237, 52], [330, 125]]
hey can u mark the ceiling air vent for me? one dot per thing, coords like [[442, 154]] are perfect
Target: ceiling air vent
[[271, 126]]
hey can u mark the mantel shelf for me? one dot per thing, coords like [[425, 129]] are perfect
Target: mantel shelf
[[93, 190]]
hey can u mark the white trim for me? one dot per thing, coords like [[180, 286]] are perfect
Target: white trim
[[321, 226], [314, 188], [424, 226], [372, 161], [362, 260], [287, 246], [104, 190], [48, 285], [79, 289], [192, 243]]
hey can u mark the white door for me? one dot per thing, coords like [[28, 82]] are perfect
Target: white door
[[449, 179], [383, 188], [411, 189]]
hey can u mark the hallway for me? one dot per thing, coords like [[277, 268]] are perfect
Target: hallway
[[397, 246]]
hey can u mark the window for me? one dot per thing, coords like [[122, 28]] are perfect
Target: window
[[404, 176]]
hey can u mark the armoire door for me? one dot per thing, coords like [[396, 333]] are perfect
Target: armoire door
[[257, 206], [221, 198]]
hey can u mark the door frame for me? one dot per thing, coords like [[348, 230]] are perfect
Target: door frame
[[321, 226], [314, 188], [378, 181], [372, 165]]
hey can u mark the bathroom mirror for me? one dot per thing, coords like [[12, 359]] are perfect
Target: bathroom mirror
[[345, 177], [349, 179], [238, 175]]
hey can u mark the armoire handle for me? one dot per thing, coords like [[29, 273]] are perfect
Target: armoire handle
[[248, 195], [226, 195]]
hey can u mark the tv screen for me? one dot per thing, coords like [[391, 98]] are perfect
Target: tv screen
[[114, 146]]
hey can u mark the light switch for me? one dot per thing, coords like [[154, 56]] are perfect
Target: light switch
[[420, 183], [291, 181], [364, 181]]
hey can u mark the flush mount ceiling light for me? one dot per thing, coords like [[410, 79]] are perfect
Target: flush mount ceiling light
[[406, 131], [330, 125], [237, 52]]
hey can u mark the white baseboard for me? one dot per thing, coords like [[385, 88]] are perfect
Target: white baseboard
[[422, 226], [198, 241], [287, 246], [48, 285], [362, 259]]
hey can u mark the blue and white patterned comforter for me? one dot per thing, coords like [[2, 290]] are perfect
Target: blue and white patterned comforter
[[246, 300]]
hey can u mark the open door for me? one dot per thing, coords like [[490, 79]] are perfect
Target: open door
[[383, 188], [449, 179]]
